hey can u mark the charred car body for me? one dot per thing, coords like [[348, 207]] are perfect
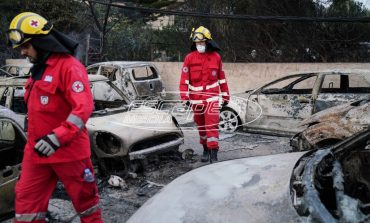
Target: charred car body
[[137, 80], [118, 132], [326, 185], [16, 70], [278, 107], [12, 142], [328, 127]]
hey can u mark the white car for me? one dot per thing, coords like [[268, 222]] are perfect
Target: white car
[[326, 185], [278, 107]]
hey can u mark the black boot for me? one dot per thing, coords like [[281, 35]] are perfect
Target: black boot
[[213, 155], [205, 156]]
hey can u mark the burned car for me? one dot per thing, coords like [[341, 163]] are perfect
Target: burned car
[[137, 80], [17, 70], [279, 106], [120, 134], [12, 142], [327, 185], [328, 127]]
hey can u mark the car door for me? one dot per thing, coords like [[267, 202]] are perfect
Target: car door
[[337, 89], [124, 83], [12, 142], [284, 103], [147, 81]]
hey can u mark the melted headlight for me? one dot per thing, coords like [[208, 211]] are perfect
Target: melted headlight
[[107, 142]]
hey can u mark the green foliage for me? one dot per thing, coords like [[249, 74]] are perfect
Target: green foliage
[[126, 35], [66, 15]]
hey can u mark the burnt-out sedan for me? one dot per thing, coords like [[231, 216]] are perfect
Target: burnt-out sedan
[[137, 80], [326, 185], [279, 106], [120, 133], [12, 142]]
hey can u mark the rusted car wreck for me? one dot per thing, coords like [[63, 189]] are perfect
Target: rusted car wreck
[[333, 125]]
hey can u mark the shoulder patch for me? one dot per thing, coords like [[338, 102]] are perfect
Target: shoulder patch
[[185, 69], [77, 86]]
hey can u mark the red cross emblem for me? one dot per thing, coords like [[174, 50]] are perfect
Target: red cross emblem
[[77, 86], [34, 23]]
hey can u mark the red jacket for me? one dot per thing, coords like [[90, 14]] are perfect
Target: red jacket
[[61, 102], [202, 78]]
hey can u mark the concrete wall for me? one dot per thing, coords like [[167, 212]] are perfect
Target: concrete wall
[[244, 76]]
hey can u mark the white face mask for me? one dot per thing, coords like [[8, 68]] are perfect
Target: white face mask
[[201, 48]]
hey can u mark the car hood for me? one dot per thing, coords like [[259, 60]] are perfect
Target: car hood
[[252, 189], [243, 94], [355, 112], [137, 123]]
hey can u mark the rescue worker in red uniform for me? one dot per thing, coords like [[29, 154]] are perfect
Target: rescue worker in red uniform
[[59, 103], [201, 85]]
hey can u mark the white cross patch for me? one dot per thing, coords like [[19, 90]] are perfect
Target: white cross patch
[[34, 23], [44, 100], [77, 86], [214, 72]]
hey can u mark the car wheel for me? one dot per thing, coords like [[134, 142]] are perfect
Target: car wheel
[[229, 120], [111, 166]]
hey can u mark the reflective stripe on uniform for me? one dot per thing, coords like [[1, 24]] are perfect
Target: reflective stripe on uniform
[[212, 85], [191, 87], [224, 94], [215, 98], [30, 217], [186, 81], [89, 211], [203, 137], [74, 119], [212, 139], [222, 81], [196, 102]]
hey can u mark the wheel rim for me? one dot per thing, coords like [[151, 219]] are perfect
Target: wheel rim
[[228, 121]]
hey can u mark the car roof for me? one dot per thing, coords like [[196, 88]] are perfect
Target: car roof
[[332, 71], [125, 64]]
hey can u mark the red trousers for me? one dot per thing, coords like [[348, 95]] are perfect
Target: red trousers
[[206, 117], [37, 183]]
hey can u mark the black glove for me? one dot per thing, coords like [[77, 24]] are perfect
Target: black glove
[[187, 103], [225, 102], [47, 145]]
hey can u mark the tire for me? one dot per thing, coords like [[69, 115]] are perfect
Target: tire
[[229, 120]]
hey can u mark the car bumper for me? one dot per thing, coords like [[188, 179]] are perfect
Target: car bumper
[[165, 147]]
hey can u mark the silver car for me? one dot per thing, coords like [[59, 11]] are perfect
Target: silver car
[[120, 134], [328, 185], [12, 142], [137, 80], [278, 107]]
